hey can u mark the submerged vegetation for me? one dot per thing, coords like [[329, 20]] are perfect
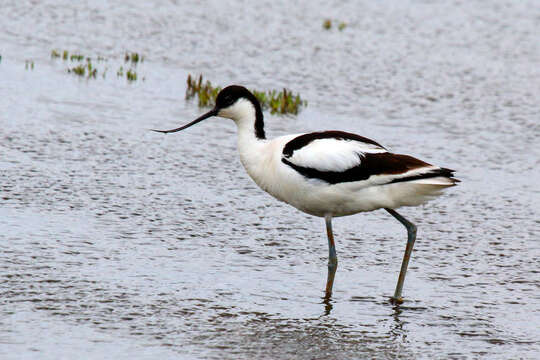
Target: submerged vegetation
[[89, 70], [280, 102]]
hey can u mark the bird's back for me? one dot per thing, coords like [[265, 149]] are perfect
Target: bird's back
[[339, 173]]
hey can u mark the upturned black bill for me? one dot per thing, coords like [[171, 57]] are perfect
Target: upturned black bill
[[211, 113]]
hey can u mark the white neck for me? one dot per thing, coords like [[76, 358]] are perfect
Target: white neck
[[251, 148]]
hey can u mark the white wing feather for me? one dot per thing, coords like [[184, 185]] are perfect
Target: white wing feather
[[331, 154]]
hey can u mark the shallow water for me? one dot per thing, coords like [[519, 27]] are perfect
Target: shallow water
[[117, 242]]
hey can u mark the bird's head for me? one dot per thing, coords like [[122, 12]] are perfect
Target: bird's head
[[233, 102]]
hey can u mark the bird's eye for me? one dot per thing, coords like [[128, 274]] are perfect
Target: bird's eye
[[228, 100]]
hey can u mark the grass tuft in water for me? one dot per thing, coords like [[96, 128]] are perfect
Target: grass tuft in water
[[82, 70], [79, 70], [76, 57], [327, 25], [131, 75], [133, 57], [280, 102], [89, 70], [205, 92]]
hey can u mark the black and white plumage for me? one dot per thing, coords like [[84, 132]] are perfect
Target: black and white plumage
[[328, 173]]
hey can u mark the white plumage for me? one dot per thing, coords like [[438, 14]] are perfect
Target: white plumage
[[344, 154]]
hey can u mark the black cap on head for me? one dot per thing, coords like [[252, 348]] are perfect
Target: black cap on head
[[230, 94]]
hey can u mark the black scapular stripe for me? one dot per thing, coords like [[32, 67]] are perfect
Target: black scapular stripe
[[373, 164]]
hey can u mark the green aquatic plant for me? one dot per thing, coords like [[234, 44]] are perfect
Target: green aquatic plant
[[327, 25], [87, 70], [281, 102], [205, 92], [133, 57], [90, 70], [29, 64], [131, 75], [79, 70], [77, 57], [73, 57], [65, 55]]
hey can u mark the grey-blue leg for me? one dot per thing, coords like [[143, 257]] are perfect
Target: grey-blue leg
[[411, 237], [332, 257]]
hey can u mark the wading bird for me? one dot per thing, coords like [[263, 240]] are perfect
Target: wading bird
[[329, 173]]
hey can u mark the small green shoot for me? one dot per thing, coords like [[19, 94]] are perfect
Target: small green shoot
[[133, 57], [206, 92], [76, 57], [92, 72], [327, 24], [79, 70], [82, 70], [131, 75]]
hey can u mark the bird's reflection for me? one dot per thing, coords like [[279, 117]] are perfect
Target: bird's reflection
[[327, 301], [396, 329]]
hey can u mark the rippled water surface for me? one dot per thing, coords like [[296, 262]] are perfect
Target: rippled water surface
[[119, 243]]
